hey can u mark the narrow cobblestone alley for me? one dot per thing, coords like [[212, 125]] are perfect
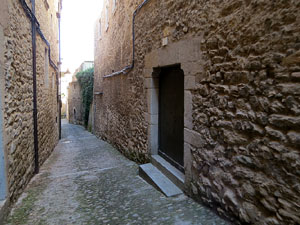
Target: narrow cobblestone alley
[[87, 181]]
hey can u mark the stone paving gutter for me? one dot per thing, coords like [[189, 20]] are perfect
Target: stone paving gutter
[[87, 181]]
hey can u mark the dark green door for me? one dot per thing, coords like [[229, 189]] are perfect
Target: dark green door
[[171, 115]]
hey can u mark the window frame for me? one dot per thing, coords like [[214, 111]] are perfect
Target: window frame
[[114, 6], [107, 15], [99, 29], [46, 68]]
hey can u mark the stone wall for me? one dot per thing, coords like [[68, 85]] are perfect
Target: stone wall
[[3, 25], [18, 111], [119, 111], [46, 80], [75, 107], [241, 61]]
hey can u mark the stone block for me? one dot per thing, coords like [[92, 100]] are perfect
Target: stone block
[[189, 82], [234, 138], [290, 88], [294, 138], [275, 134], [187, 163], [192, 68], [188, 110], [153, 139], [4, 18], [152, 119], [148, 72], [283, 121], [168, 56], [151, 60], [295, 76], [193, 138], [151, 83], [189, 50], [153, 101]]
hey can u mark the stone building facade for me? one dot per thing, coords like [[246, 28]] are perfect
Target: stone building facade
[[65, 79], [240, 62], [75, 105], [20, 149]]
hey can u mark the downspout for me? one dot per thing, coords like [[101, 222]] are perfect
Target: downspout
[[35, 117], [30, 13], [59, 81], [128, 68], [57, 100]]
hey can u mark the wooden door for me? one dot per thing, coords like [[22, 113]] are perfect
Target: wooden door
[[171, 115]]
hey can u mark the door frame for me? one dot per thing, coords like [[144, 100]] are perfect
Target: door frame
[[165, 155], [187, 54]]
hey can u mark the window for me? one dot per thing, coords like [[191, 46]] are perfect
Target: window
[[46, 67], [99, 30], [53, 80], [46, 4], [52, 21], [114, 6], [106, 16]]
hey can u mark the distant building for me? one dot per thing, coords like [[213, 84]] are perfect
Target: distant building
[[86, 65], [29, 92], [66, 78], [75, 107], [212, 88]]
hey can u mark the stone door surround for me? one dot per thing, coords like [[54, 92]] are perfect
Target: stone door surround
[[187, 54]]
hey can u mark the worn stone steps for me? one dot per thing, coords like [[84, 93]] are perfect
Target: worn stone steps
[[168, 170], [3, 210], [156, 178]]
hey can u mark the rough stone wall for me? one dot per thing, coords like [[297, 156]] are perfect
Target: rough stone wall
[[119, 112], [46, 12], [245, 158], [47, 105], [18, 111], [246, 109], [3, 26], [75, 102], [47, 85]]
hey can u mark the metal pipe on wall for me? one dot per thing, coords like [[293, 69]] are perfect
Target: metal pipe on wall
[[59, 84], [30, 13], [35, 116], [126, 69]]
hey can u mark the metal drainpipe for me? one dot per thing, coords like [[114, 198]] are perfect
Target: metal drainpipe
[[57, 99], [35, 117], [59, 82], [128, 68]]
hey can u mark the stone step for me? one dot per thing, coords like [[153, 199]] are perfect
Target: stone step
[[3, 210], [168, 170], [156, 178]]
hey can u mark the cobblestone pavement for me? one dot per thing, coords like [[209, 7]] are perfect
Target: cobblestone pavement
[[87, 181]]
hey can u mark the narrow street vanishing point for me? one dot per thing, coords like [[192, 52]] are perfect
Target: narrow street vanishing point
[[87, 181], [150, 112]]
